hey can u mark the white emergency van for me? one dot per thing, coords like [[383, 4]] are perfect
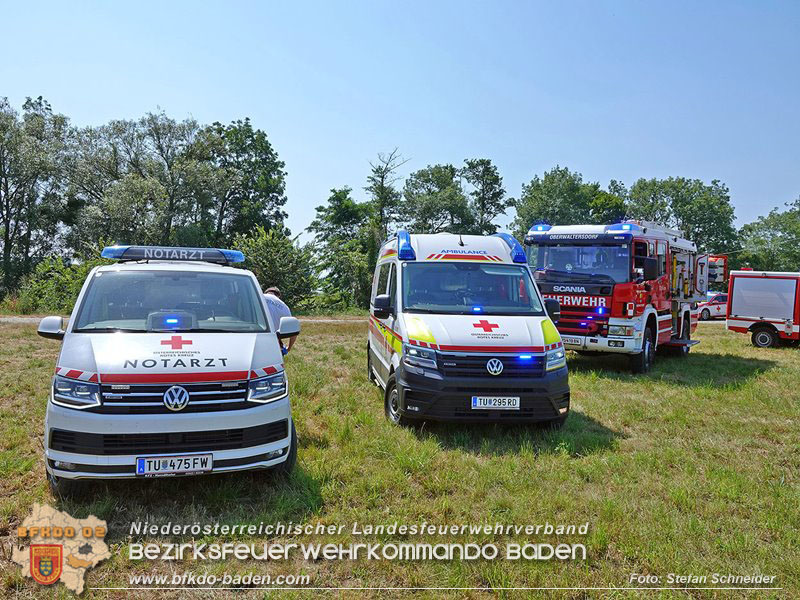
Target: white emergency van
[[170, 365], [459, 331]]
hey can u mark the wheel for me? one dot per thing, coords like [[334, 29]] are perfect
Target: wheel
[[705, 315], [391, 403], [764, 337], [642, 362], [370, 372], [286, 467], [65, 488]]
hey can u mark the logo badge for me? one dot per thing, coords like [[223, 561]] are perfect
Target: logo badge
[[485, 325], [494, 366], [176, 398], [176, 342], [46, 562]]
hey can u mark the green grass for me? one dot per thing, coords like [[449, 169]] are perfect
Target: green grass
[[694, 468]]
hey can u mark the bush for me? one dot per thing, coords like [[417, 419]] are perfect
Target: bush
[[54, 285], [279, 262]]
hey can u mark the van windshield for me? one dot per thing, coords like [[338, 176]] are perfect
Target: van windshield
[[141, 301], [469, 288]]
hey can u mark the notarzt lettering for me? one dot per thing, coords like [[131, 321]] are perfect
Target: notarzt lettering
[[174, 363]]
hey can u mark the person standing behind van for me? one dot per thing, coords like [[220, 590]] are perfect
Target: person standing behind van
[[277, 309]]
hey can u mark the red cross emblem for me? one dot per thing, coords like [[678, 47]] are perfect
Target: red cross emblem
[[177, 342], [485, 325]]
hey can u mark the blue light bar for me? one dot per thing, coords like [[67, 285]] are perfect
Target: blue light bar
[[113, 252], [539, 227], [623, 228], [601, 310], [476, 309], [404, 249], [212, 255], [517, 253], [233, 256]]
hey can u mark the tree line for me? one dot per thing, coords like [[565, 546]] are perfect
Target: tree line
[[66, 190]]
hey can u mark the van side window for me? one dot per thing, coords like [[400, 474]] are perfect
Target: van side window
[[392, 285], [381, 279]]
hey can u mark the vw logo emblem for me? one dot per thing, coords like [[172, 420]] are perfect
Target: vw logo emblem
[[176, 398], [494, 366]]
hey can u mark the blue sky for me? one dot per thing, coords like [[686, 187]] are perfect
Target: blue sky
[[611, 89]]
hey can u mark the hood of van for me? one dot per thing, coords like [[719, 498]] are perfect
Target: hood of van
[[168, 357], [468, 333]]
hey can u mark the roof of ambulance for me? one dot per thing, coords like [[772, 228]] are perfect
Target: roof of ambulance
[[450, 246]]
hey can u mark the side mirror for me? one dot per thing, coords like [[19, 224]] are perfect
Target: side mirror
[[51, 327], [553, 308], [289, 327], [382, 306], [650, 266]]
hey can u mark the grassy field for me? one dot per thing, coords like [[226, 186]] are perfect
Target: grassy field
[[694, 468]]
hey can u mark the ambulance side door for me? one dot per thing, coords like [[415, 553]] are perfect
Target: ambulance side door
[[379, 336]]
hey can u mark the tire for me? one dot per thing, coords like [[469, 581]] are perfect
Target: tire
[[705, 315], [643, 362], [287, 466], [391, 404], [66, 488], [764, 337]]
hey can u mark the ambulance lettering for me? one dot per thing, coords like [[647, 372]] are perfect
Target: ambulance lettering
[[175, 363]]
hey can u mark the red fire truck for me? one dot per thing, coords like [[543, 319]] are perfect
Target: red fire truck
[[627, 288]]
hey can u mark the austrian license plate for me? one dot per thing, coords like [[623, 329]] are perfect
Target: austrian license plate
[[495, 403], [573, 341], [154, 466]]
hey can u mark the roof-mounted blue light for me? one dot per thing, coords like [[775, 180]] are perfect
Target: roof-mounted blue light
[[114, 252], [211, 255], [517, 253], [539, 228], [623, 228], [404, 249]]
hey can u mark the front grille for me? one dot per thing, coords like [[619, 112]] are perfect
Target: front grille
[[160, 443], [532, 407], [454, 365], [582, 322], [133, 399]]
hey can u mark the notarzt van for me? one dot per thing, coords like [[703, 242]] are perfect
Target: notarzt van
[[765, 304], [459, 331], [170, 365]]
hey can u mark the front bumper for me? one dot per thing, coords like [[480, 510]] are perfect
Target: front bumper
[[449, 398], [592, 343], [101, 446]]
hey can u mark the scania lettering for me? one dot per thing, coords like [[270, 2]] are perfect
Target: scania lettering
[[170, 365], [627, 288], [458, 331]]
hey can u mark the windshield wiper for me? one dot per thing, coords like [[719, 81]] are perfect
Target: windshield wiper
[[430, 311]]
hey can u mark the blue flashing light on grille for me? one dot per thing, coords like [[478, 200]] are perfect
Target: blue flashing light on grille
[[601, 310], [404, 249], [517, 253], [525, 356]]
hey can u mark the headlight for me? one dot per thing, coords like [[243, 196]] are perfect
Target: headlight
[[419, 357], [623, 330], [556, 359], [267, 389], [75, 394]]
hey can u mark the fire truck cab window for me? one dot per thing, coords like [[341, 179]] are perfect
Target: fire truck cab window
[[639, 252], [662, 258]]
